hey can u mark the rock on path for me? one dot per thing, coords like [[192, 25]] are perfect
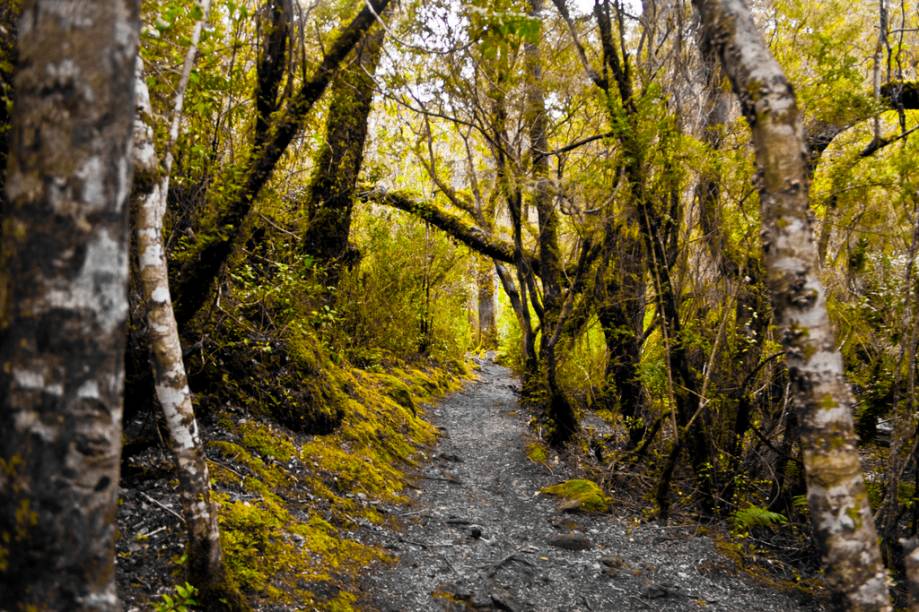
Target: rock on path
[[479, 536]]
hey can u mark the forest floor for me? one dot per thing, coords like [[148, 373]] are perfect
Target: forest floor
[[479, 535]]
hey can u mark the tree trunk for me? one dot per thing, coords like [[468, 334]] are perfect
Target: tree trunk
[[198, 275], [841, 515], [9, 14], [271, 63], [63, 303], [621, 312], [559, 410], [485, 281], [205, 567], [338, 164], [656, 216]]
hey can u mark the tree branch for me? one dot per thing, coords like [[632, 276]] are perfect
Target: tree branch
[[200, 272], [473, 237]]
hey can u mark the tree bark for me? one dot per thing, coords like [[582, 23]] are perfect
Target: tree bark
[[558, 409], [271, 63], [63, 303], [485, 282], [197, 277], [621, 311], [338, 164], [205, 568], [911, 562], [656, 216], [840, 512], [9, 14]]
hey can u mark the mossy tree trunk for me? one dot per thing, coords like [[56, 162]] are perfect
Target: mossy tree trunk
[[63, 303], [9, 14], [656, 216], [517, 284], [620, 311], [485, 285], [338, 164], [559, 410], [196, 278], [272, 62], [841, 515]]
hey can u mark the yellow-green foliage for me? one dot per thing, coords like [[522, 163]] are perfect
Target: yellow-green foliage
[[755, 516], [580, 494], [279, 549], [409, 294]]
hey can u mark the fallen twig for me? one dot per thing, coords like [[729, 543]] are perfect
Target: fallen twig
[[163, 506]]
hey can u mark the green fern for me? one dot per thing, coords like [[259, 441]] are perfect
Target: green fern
[[755, 516]]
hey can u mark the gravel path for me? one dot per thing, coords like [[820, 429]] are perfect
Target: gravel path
[[479, 536]]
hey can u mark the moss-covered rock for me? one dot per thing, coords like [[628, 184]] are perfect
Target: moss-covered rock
[[579, 495]]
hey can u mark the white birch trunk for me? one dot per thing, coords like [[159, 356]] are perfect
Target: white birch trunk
[[205, 558]]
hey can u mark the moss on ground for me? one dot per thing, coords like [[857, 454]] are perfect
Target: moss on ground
[[537, 452], [286, 499], [580, 494]]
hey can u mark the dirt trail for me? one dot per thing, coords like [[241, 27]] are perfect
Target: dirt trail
[[479, 537]]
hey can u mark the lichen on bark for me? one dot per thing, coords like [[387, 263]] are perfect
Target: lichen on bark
[[842, 521], [64, 250]]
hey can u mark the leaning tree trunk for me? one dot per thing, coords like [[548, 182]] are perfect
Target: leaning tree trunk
[[63, 304], [201, 271], [205, 569], [840, 512], [339, 161]]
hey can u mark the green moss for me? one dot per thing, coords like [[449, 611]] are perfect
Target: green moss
[[398, 391], [278, 550], [289, 379], [580, 494], [537, 452], [254, 464], [268, 442]]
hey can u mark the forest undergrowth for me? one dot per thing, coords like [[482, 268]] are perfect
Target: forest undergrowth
[[289, 503]]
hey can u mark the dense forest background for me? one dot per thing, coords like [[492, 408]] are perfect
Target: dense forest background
[[352, 198]]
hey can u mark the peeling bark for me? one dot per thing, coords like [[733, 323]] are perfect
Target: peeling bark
[[63, 303], [843, 526]]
